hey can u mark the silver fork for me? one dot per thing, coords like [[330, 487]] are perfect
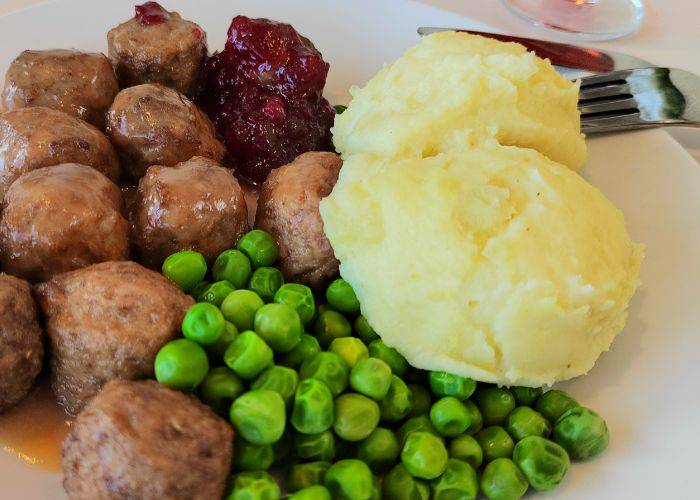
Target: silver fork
[[639, 98]]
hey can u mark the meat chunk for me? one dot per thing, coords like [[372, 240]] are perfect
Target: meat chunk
[[154, 125], [170, 51], [143, 440], [80, 83], [21, 349], [32, 138], [195, 205], [288, 209], [60, 218], [106, 322]]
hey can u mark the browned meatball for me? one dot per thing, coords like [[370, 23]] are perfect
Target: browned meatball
[[60, 218], [195, 205], [288, 209], [171, 52], [32, 138], [21, 350], [80, 83], [153, 125], [105, 322], [143, 440]]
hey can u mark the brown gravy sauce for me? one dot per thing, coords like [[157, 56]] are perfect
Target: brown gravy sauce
[[33, 430]]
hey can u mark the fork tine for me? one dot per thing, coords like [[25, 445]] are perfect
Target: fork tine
[[610, 123], [623, 104], [604, 79], [606, 91]]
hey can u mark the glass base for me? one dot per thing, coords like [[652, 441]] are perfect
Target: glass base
[[582, 19]]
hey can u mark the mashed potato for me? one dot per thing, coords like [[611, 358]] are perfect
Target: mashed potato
[[454, 90], [496, 263]]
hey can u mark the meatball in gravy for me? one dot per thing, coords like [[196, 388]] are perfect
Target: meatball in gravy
[[154, 125], [21, 349], [106, 322], [60, 218], [288, 209], [195, 205], [157, 46], [32, 138], [143, 440], [80, 83]]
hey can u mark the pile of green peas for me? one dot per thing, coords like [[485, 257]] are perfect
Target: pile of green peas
[[315, 395]]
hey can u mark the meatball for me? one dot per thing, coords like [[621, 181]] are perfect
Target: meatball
[[153, 125], [288, 209], [21, 349], [105, 322], [158, 47], [195, 205], [60, 218], [139, 439], [80, 83], [32, 138]]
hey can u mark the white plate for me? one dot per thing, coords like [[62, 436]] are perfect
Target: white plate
[[646, 386]]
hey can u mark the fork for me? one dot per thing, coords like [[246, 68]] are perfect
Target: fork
[[639, 98]]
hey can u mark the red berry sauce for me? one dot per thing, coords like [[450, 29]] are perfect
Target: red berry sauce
[[151, 13], [263, 93]]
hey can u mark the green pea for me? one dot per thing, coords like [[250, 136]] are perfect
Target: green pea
[[259, 416], [400, 485], [305, 475], [215, 293], [552, 404], [219, 388], [477, 421], [279, 379], [306, 348], [424, 455], [543, 462], [239, 308], [282, 448], [495, 442], [392, 357], [379, 450], [466, 448], [458, 481], [313, 407], [300, 298], [260, 247], [265, 281], [248, 355], [502, 480], [349, 480], [315, 447], [371, 377], [582, 432], [317, 492], [449, 416], [258, 485], [197, 290], [351, 349], [447, 384], [421, 400], [331, 325], [327, 367], [181, 364], [217, 349], [323, 308], [232, 266], [203, 324], [421, 423], [341, 297], [248, 456], [339, 109], [356, 416], [525, 396], [397, 402], [495, 403], [524, 421], [364, 331], [278, 325], [185, 269]]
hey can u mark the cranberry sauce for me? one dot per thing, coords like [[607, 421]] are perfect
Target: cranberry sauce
[[151, 13]]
